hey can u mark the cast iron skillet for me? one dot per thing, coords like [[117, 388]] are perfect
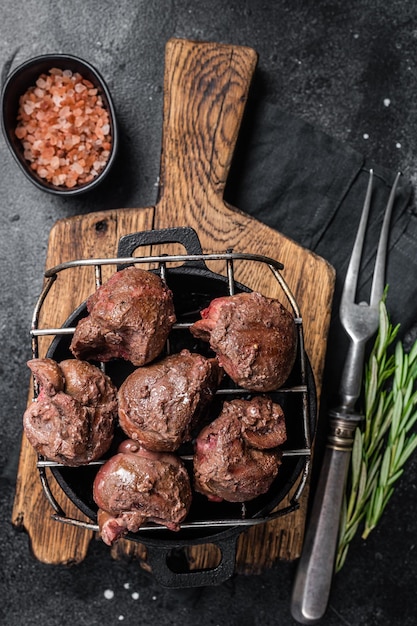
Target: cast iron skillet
[[193, 286]]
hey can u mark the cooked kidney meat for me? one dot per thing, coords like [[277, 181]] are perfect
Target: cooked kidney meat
[[253, 336], [160, 404], [233, 460], [136, 486], [72, 419], [130, 317]]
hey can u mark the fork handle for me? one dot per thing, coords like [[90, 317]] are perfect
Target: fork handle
[[314, 574]]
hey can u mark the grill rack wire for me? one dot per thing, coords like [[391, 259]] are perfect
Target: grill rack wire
[[161, 261]]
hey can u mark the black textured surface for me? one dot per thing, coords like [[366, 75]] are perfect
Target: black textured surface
[[349, 69]]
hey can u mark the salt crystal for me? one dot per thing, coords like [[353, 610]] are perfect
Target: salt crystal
[[79, 88], [365, 136], [398, 145], [387, 102], [109, 594], [20, 132], [41, 82], [135, 595], [28, 107], [126, 585], [76, 167]]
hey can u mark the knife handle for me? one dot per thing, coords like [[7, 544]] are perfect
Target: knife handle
[[314, 574]]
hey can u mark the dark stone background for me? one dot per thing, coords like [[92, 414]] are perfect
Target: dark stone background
[[348, 68]]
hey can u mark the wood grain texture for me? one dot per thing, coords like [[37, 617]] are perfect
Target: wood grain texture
[[206, 87]]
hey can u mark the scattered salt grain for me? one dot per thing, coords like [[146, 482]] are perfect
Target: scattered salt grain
[[398, 145], [109, 594], [121, 618], [135, 595], [126, 585], [387, 102], [365, 136]]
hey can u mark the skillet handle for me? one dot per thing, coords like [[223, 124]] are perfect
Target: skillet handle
[[185, 236], [158, 558]]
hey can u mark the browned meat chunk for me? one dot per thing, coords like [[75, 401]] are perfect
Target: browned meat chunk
[[253, 336], [136, 486], [72, 419], [232, 458], [130, 317], [160, 404]]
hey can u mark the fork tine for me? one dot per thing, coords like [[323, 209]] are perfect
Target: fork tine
[[351, 280], [378, 282]]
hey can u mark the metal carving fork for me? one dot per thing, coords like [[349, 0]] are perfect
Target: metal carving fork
[[315, 569]]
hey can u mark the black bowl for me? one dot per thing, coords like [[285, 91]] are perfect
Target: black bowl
[[16, 85]]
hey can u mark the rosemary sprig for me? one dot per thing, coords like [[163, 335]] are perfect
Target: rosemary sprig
[[383, 440]]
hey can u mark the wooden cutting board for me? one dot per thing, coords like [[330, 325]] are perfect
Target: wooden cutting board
[[205, 90]]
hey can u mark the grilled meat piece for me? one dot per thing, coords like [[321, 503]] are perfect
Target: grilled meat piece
[[253, 337], [236, 456], [136, 486], [160, 404], [72, 419], [130, 317]]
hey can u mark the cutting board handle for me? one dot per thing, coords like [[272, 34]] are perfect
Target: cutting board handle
[[205, 91]]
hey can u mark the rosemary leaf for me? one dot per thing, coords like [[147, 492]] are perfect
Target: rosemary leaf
[[380, 423], [397, 449], [341, 557], [398, 375], [396, 417], [394, 477], [413, 354], [409, 449], [385, 466]]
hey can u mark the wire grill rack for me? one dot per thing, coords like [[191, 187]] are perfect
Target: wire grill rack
[[161, 265]]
